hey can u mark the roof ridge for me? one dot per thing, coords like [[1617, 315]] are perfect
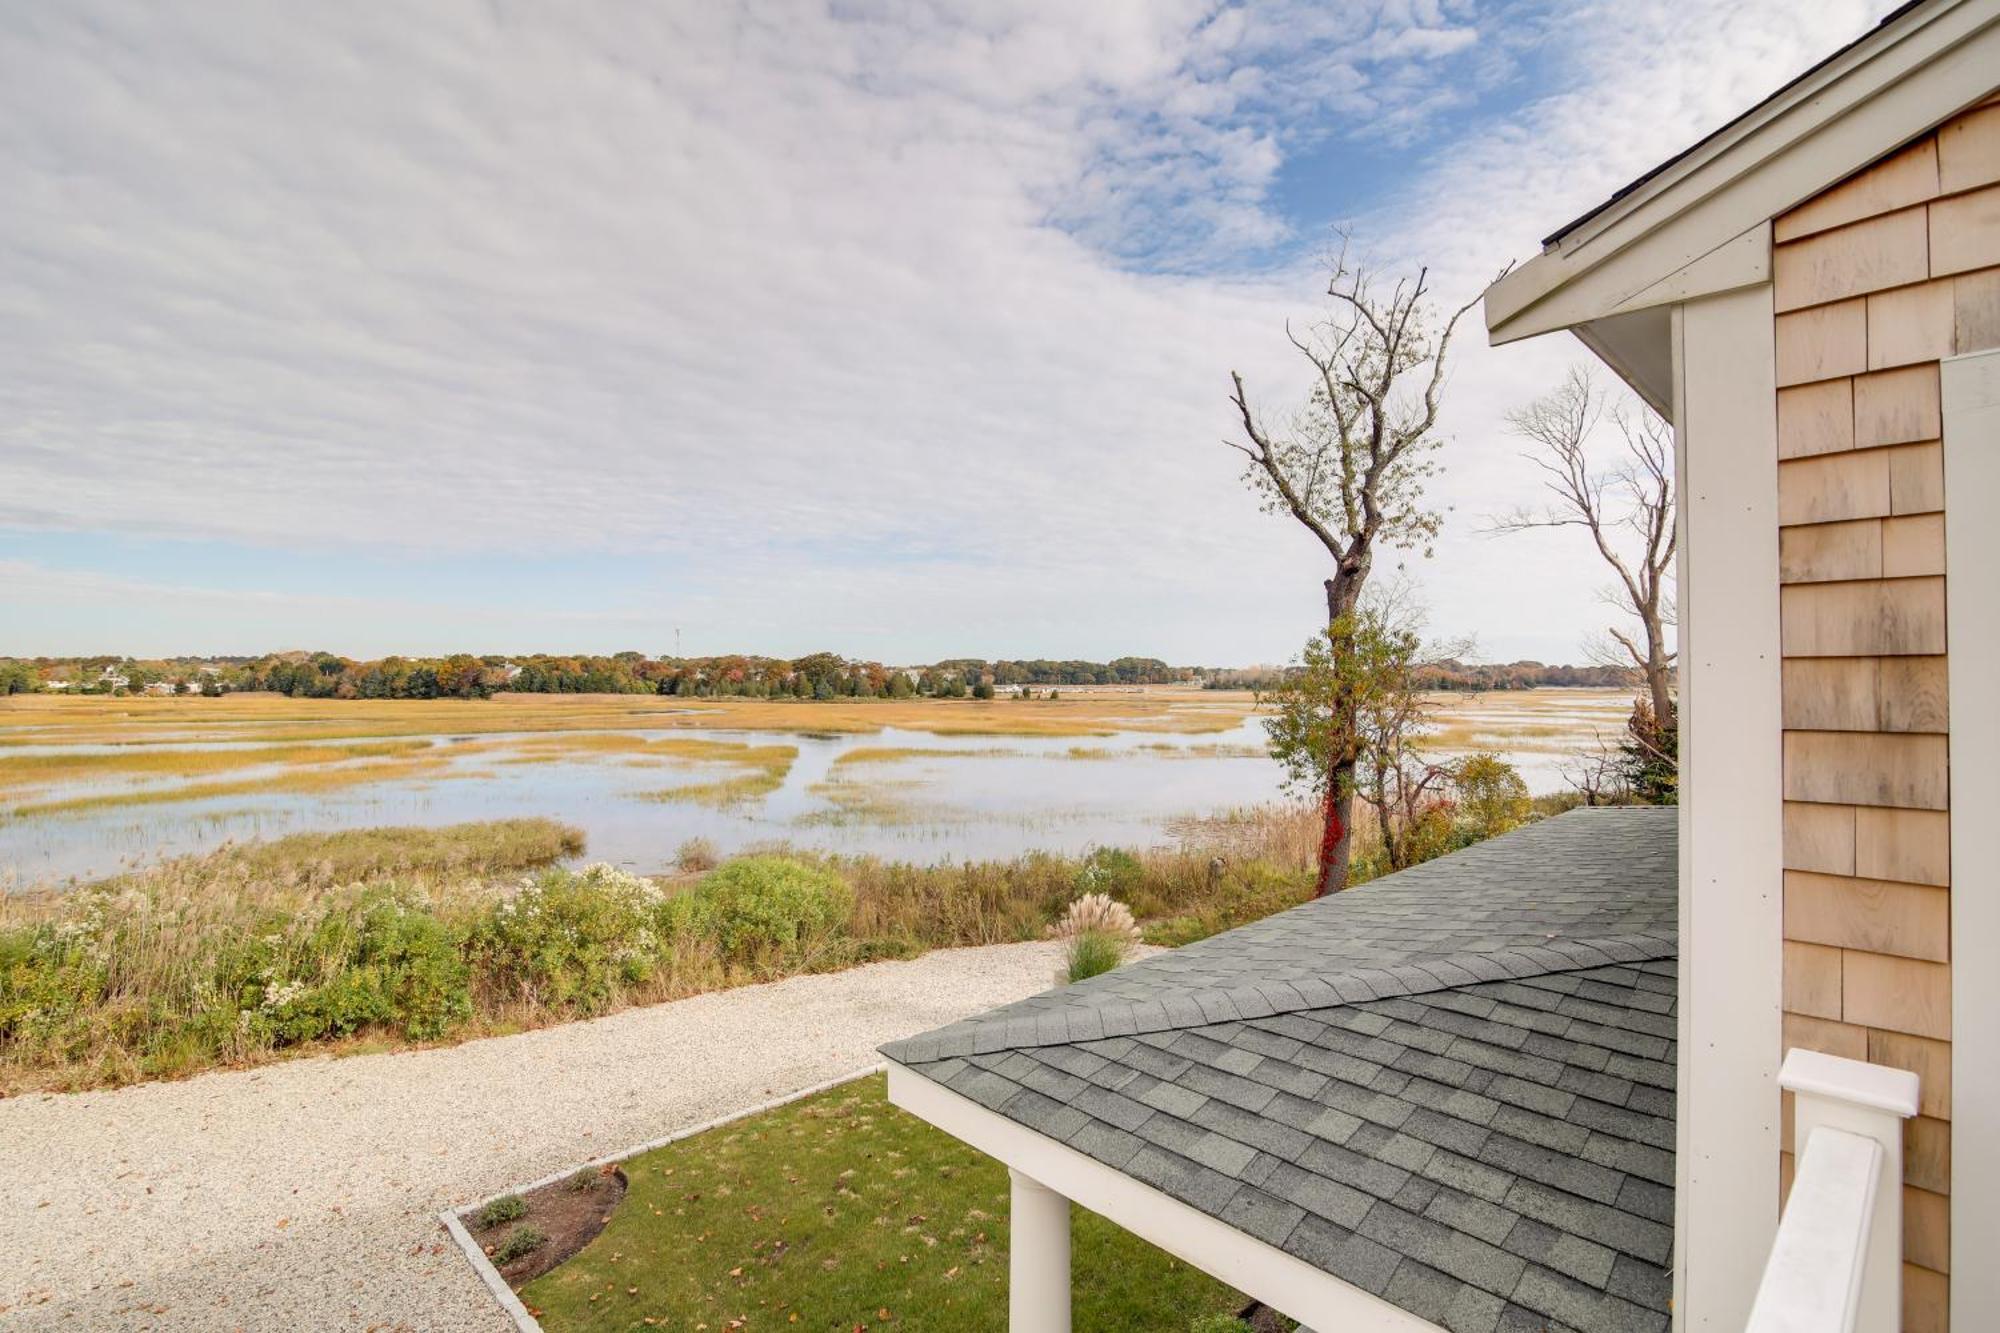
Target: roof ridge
[[1016, 1028]]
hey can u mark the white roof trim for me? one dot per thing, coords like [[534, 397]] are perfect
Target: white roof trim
[[1291, 1286], [1686, 227]]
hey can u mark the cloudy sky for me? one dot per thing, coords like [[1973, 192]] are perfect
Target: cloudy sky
[[898, 329]]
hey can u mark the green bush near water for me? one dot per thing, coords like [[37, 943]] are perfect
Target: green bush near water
[[386, 958], [770, 910], [380, 961], [1111, 870], [572, 940]]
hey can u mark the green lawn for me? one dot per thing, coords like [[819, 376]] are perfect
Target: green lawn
[[841, 1212]]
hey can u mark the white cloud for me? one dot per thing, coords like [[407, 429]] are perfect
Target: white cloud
[[822, 312]]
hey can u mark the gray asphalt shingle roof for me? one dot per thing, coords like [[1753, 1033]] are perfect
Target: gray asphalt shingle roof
[[1452, 1087]]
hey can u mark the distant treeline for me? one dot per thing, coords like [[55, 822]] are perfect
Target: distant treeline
[[1460, 676], [465, 676], [815, 676]]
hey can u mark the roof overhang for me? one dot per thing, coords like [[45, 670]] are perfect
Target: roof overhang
[[1285, 1283], [1700, 224]]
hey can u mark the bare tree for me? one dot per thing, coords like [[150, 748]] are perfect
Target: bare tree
[[1594, 774], [1351, 466], [1626, 505]]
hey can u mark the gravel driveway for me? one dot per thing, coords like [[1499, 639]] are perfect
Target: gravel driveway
[[304, 1195]]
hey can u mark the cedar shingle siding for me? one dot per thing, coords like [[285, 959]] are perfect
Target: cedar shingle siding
[[1876, 279]]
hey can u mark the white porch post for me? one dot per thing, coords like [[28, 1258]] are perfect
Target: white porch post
[[1037, 1258], [1732, 805], [1870, 1101]]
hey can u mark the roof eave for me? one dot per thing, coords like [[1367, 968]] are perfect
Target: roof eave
[[1656, 243], [1282, 1281]]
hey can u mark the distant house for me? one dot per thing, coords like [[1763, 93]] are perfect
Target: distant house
[[1737, 1070], [159, 687]]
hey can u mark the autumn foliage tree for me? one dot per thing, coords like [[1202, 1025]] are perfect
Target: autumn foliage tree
[[1350, 466]]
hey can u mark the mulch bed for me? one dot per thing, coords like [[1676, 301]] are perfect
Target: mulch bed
[[569, 1212]]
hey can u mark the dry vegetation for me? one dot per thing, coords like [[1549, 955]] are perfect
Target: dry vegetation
[[284, 745], [323, 941], [303, 779], [40, 719], [766, 767], [892, 754], [31, 772]]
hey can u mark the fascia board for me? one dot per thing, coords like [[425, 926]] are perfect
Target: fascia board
[[1891, 89]]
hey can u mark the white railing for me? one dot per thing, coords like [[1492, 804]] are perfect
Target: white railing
[[1837, 1263]]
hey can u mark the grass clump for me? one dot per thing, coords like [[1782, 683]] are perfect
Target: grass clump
[[1091, 953], [696, 856], [892, 754], [485, 848], [503, 1209], [845, 1212], [521, 1240], [767, 765]]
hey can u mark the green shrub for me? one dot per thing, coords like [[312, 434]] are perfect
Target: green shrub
[[1092, 952], [1111, 870], [1492, 796], [382, 960], [524, 1239], [503, 1209], [766, 910], [572, 939], [52, 981], [1244, 893]]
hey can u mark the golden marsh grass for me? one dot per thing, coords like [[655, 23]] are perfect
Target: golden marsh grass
[[30, 772], [61, 720], [307, 780], [891, 754]]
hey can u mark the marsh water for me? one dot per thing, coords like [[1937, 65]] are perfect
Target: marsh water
[[903, 794]]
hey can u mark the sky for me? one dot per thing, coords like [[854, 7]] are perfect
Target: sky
[[896, 329]]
